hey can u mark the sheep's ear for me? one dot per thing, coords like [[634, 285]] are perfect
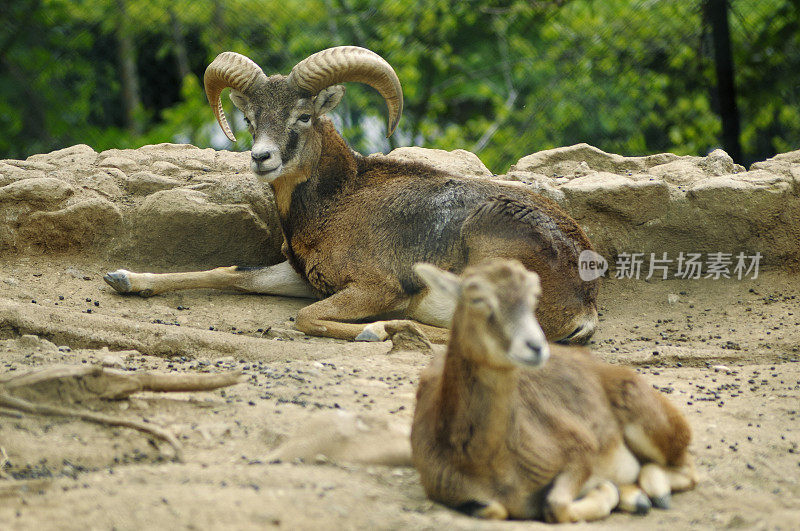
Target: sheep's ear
[[440, 282], [239, 100], [535, 283], [328, 99]]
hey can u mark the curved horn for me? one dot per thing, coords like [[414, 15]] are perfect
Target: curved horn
[[351, 63], [229, 69]]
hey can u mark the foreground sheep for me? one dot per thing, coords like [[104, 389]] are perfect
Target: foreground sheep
[[509, 426]]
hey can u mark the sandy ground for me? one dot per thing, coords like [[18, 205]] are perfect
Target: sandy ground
[[726, 353]]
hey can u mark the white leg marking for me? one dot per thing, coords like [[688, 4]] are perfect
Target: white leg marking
[[434, 309], [654, 482], [683, 478], [637, 439], [620, 467], [279, 279], [596, 504]]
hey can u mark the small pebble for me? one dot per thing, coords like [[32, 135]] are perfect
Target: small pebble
[[112, 361]]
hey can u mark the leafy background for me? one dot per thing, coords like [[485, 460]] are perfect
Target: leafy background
[[502, 79]]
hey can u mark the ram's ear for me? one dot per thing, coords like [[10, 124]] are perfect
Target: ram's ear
[[239, 100], [328, 99]]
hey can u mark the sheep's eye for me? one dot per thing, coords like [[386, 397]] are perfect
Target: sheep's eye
[[304, 118], [481, 303]]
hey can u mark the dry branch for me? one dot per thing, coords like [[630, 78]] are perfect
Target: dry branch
[[116, 384], [169, 383], [3, 462], [105, 383], [44, 409]]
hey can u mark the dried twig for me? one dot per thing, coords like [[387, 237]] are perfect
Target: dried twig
[[115, 384], [43, 409], [168, 383], [106, 383], [10, 413], [3, 463]]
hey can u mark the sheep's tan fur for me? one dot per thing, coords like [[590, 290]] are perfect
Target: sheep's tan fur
[[568, 440]]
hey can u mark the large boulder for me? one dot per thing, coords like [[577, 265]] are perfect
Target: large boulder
[[185, 227], [634, 201], [458, 161], [582, 159], [79, 225], [168, 205], [178, 206], [671, 204]]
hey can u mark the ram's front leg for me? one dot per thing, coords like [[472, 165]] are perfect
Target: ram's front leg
[[279, 279], [338, 316], [380, 331]]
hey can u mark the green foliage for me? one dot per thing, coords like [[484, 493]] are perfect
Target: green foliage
[[501, 78]]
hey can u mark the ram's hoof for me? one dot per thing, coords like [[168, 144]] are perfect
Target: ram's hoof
[[119, 280], [367, 335], [492, 510], [373, 332], [633, 500]]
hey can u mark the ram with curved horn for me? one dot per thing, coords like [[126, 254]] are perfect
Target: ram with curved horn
[[354, 226]]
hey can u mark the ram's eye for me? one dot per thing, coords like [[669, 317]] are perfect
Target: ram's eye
[[304, 118]]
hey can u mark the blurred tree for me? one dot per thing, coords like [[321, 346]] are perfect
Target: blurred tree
[[767, 55], [716, 12], [131, 100], [501, 78]]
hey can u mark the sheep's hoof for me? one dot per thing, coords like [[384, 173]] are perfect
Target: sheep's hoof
[[373, 332], [662, 502], [642, 506], [406, 335], [633, 500], [119, 280]]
